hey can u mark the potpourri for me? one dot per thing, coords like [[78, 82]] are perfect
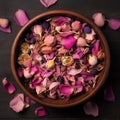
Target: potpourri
[[60, 57]]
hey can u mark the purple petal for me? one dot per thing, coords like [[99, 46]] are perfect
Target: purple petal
[[20, 17], [114, 24], [17, 103], [109, 94], [40, 111], [8, 86], [68, 42], [33, 69], [78, 89], [91, 108], [96, 47], [48, 3], [29, 100], [20, 72]]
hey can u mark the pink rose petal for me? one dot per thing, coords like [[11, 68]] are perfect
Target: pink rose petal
[[99, 19], [48, 3], [109, 94], [68, 42], [91, 108], [17, 103], [4, 25], [114, 24], [8, 29], [8, 86], [20, 17], [65, 90], [40, 111]]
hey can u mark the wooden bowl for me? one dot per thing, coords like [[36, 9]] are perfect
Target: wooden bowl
[[58, 103]]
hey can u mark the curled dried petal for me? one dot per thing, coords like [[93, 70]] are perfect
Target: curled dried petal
[[8, 86], [91, 108], [40, 111], [21, 17]]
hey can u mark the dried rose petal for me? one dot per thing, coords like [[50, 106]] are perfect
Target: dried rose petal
[[4, 25], [40, 111], [114, 24], [74, 71], [99, 19], [109, 94], [91, 108], [18, 103], [68, 42], [65, 90], [8, 86], [20, 17], [20, 72], [37, 29], [48, 3]]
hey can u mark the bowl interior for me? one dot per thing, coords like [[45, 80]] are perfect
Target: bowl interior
[[78, 98]]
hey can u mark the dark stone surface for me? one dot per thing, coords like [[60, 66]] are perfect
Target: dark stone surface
[[108, 110]]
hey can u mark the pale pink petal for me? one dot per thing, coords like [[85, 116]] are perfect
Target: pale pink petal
[[91, 108], [109, 94], [114, 24], [8, 86], [74, 71], [17, 103], [48, 3], [53, 85], [40, 111], [21, 17], [99, 19]]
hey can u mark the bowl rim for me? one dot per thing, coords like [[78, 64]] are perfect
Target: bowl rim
[[68, 13]]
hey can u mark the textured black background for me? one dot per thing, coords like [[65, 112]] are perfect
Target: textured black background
[[108, 110]]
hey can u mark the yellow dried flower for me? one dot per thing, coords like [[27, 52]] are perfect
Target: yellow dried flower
[[67, 60]]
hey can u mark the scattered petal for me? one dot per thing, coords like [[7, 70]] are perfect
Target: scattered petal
[[91, 108], [99, 19], [114, 24], [109, 94], [74, 71], [17, 103], [48, 3], [20, 17], [8, 86], [40, 111], [4, 25]]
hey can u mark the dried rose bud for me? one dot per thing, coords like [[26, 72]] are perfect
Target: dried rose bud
[[76, 25], [49, 40], [92, 60], [99, 19], [81, 42], [50, 64], [67, 60]]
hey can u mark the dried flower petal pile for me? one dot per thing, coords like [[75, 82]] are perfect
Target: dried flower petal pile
[[60, 57]]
